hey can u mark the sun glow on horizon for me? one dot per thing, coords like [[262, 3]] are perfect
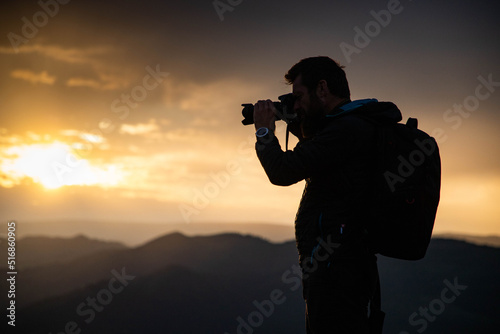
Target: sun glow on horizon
[[53, 165]]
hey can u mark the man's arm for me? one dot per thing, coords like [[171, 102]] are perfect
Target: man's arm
[[287, 168], [317, 155]]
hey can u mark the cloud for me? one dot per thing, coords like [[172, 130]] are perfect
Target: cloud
[[217, 104], [140, 128], [93, 138], [35, 78], [105, 82], [68, 55], [204, 99], [79, 82], [105, 73]]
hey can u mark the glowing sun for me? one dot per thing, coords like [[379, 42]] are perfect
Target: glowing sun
[[54, 165]]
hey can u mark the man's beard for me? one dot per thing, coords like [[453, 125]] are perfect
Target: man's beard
[[312, 120]]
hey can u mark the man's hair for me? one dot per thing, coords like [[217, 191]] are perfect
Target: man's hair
[[314, 69]]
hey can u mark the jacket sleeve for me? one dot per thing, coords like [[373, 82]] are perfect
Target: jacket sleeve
[[308, 157]]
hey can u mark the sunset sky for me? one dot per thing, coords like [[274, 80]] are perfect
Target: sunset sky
[[129, 111]]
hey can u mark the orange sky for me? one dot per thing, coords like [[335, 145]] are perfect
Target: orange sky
[[131, 112]]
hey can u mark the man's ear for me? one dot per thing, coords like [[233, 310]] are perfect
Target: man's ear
[[322, 89]]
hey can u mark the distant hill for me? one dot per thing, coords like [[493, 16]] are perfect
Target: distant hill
[[134, 234], [41, 251], [212, 284], [492, 240]]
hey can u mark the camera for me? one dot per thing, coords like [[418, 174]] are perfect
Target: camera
[[284, 108]]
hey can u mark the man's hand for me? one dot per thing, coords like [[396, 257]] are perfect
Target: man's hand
[[264, 115]]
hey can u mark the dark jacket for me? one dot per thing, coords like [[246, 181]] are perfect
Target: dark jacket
[[337, 163]]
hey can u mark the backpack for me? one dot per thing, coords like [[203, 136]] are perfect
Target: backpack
[[404, 193], [406, 190]]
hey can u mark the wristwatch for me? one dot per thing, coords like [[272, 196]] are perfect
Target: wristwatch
[[261, 132]]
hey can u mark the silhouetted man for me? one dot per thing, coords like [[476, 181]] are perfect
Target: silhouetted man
[[335, 156]]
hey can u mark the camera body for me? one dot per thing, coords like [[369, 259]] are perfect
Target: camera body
[[284, 108]]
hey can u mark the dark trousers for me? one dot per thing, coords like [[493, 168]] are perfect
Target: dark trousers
[[337, 295]]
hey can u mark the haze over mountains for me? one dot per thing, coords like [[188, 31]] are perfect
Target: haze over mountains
[[225, 284], [134, 234]]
